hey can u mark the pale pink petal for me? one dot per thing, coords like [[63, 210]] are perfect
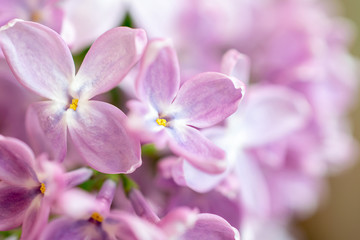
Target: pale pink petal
[[187, 175], [159, 77], [87, 21], [13, 204], [98, 130], [141, 206], [46, 125], [236, 65], [269, 113], [35, 218], [38, 57], [206, 99], [178, 221], [77, 177], [118, 223], [16, 162], [109, 59], [105, 197], [199, 151], [254, 190], [211, 227]]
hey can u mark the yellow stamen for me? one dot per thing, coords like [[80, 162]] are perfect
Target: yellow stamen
[[74, 104], [97, 217], [36, 16], [42, 188], [161, 122]]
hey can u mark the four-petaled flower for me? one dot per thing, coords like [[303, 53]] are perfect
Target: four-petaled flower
[[42, 62]]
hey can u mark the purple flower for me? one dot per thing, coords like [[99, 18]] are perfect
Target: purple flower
[[170, 113], [41, 61], [29, 186]]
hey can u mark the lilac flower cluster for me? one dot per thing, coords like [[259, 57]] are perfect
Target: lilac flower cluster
[[231, 114]]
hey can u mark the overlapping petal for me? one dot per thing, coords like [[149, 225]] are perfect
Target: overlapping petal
[[206, 99], [16, 162], [98, 130], [46, 122], [67, 228], [14, 202], [159, 77], [198, 150], [212, 227], [38, 57], [109, 59]]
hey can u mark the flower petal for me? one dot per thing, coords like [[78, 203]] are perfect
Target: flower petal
[[16, 162], [46, 125], [14, 202], [236, 65], [198, 150], [77, 177], [118, 223], [206, 99], [38, 57], [98, 130], [109, 59], [212, 227], [35, 218], [159, 77], [269, 113], [66, 228]]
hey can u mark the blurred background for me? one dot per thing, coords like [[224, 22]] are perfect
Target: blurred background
[[339, 216]]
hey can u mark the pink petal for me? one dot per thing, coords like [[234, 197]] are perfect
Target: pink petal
[[35, 218], [109, 59], [236, 65], [206, 99], [270, 113], [212, 227], [186, 174], [46, 125], [77, 177], [198, 150], [16, 162], [66, 228], [98, 130], [14, 201], [135, 228], [159, 77], [105, 197], [38, 57], [178, 221]]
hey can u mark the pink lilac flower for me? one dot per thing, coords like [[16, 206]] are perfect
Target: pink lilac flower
[[29, 186], [41, 61], [168, 113]]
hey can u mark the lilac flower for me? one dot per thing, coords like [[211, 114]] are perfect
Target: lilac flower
[[98, 222], [29, 186], [168, 113], [41, 61]]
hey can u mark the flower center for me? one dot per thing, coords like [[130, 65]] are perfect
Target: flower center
[[161, 122], [42, 188], [74, 104], [36, 16], [97, 217]]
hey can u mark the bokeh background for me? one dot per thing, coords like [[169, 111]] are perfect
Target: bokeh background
[[338, 218]]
